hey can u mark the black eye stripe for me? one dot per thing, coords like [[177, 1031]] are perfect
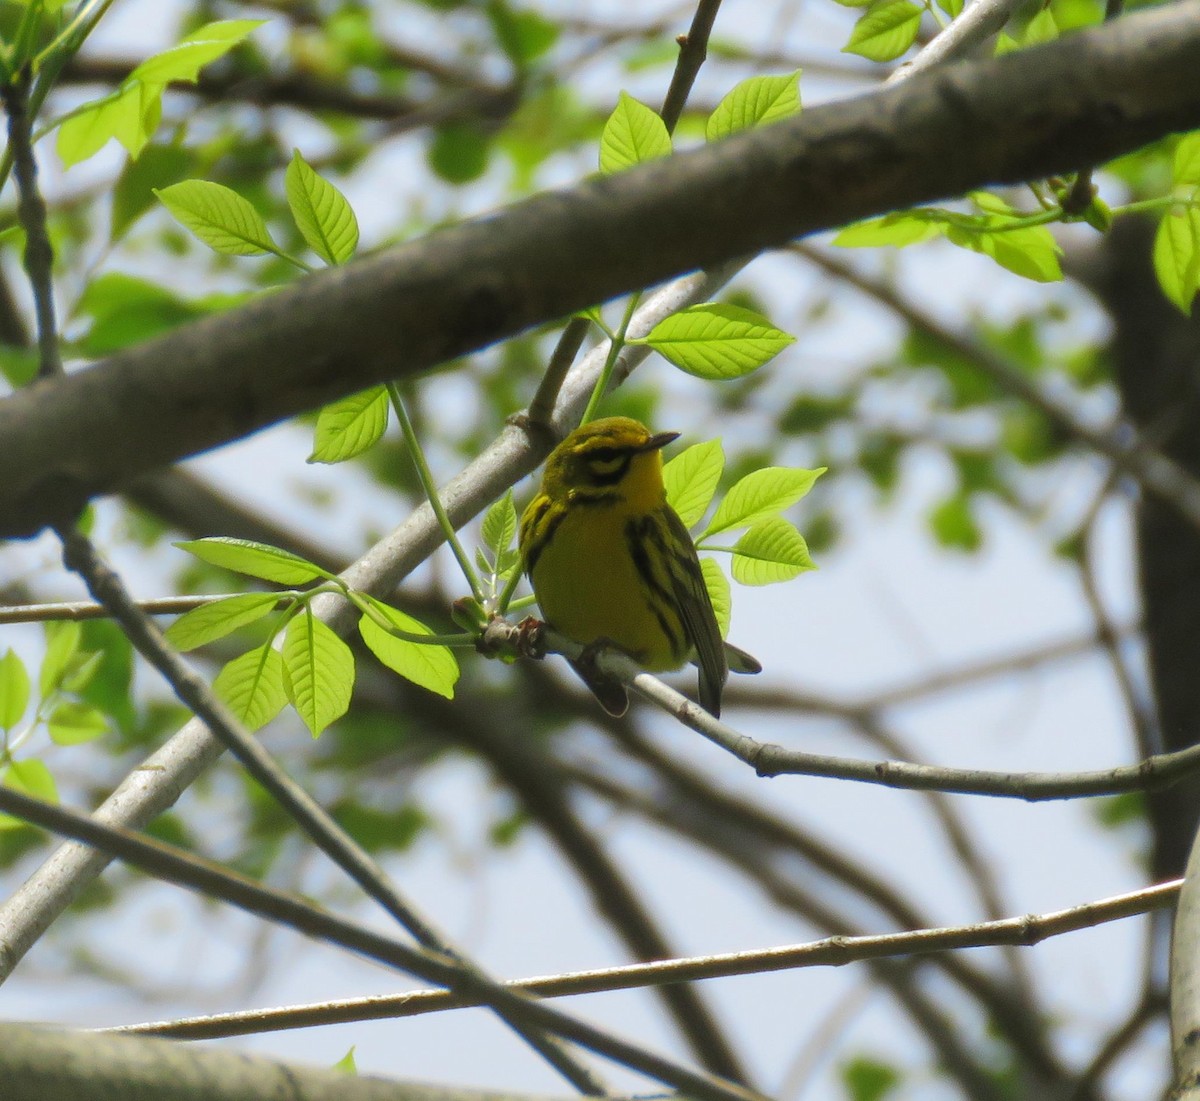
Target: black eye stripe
[[607, 466]]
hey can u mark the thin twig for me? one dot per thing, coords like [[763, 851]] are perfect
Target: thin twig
[[107, 588], [1141, 717], [978, 22], [80, 610], [769, 759], [1115, 1046], [154, 785], [693, 49], [1024, 931], [213, 881], [31, 210]]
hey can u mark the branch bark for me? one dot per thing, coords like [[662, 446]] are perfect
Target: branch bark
[[37, 1063], [1077, 101]]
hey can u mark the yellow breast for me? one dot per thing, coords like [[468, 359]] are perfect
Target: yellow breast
[[589, 588]]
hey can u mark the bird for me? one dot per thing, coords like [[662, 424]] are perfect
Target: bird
[[611, 562]]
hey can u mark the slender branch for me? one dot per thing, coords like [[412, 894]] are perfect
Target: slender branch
[[107, 588], [692, 52], [978, 22], [569, 342], [1090, 95], [769, 759], [1117, 1044], [79, 610], [1141, 717], [313, 820], [1021, 931], [749, 844], [693, 49], [544, 791], [155, 785], [425, 477], [210, 880], [31, 209]]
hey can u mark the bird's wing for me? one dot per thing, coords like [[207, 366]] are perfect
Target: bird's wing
[[696, 612]]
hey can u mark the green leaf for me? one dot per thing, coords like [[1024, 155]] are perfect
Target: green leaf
[[218, 619], [1005, 44], [772, 550], [432, 667], [254, 559], [868, 1079], [500, 526], [109, 687], [906, 227], [1116, 811], [124, 114], [14, 690], [954, 524], [717, 585], [1031, 252], [218, 216], [1041, 28], [885, 31], [691, 479], [30, 777], [1177, 255], [252, 686], [350, 426], [952, 8], [1185, 164], [62, 644], [157, 166], [318, 672], [321, 211], [755, 102], [761, 495], [523, 35], [204, 45], [715, 341], [127, 310], [346, 1063], [632, 135], [81, 672], [71, 723], [459, 151]]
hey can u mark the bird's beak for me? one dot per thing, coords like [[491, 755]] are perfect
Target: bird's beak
[[659, 441]]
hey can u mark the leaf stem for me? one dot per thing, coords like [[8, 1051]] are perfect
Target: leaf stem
[[616, 344], [365, 605], [502, 602], [427, 483]]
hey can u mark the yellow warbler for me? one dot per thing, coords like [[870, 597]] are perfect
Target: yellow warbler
[[611, 562]]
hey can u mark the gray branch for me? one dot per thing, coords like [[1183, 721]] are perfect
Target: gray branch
[[40, 1063], [1080, 100]]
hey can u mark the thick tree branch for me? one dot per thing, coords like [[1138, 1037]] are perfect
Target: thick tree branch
[[154, 786], [40, 1063], [1048, 109]]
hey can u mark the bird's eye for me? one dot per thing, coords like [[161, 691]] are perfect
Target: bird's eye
[[604, 462]]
